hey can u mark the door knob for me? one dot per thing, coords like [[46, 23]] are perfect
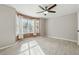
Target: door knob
[[77, 30]]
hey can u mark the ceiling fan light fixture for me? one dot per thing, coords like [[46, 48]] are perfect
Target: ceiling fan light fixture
[[47, 9], [46, 12]]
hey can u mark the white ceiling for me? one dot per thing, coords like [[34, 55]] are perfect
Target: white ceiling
[[31, 9]]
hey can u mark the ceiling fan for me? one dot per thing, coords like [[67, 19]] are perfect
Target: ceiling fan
[[47, 9]]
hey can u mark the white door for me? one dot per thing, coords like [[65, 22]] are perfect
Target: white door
[[78, 28], [78, 36]]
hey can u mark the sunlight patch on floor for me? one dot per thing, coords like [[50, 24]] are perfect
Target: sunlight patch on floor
[[31, 48]]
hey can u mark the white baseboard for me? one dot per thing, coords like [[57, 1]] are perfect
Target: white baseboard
[[8, 46], [61, 38]]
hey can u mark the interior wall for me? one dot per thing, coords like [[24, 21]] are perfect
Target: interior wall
[[7, 25], [42, 27], [64, 27]]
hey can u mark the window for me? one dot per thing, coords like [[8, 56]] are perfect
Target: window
[[28, 26], [25, 26]]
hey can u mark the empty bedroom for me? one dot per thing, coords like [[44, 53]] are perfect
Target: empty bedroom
[[39, 29]]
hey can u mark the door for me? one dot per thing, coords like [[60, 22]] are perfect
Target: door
[[78, 27]]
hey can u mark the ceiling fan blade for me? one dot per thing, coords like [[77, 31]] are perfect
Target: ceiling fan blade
[[52, 6], [40, 12], [41, 7], [52, 11]]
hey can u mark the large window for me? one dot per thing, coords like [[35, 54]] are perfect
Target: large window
[[25, 26], [28, 26]]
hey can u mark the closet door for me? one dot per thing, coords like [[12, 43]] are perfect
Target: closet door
[[78, 28]]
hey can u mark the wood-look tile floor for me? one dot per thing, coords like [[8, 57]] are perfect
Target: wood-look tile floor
[[42, 46]]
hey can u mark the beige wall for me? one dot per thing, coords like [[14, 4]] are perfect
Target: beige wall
[[42, 27], [63, 27], [7, 25]]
